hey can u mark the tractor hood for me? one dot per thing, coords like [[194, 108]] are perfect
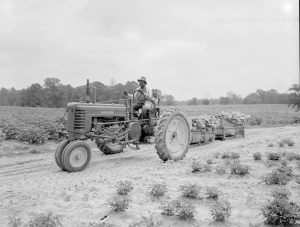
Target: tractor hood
[[99, 109]]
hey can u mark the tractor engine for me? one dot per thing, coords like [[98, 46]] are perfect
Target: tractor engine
[[109, 124]]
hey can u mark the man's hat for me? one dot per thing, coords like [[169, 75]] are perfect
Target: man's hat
[[142, 79]]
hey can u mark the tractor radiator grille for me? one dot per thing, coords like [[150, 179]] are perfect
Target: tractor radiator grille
[[79, 119]]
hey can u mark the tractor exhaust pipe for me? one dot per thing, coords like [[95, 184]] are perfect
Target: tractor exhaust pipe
[[87, 98], [94, 95]]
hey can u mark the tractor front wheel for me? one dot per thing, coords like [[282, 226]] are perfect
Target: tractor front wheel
[[172, 135], [76, 156], [58, 153]]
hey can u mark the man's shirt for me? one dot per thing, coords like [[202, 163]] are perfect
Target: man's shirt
[[147, 91]]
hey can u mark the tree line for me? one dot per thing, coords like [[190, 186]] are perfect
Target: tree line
[[54, 94], [259, 97]]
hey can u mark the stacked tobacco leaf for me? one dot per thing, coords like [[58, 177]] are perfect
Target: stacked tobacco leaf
[[205, 122], [234, 117]]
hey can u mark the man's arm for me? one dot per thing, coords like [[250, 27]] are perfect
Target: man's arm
[[149, 93]]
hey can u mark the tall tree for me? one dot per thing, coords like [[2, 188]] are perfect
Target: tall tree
[[169, 100], [294, 97], [33, 96], [193, 101]]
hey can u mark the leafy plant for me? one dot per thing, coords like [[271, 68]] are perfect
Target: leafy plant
[[274, 156], [197, 166], [291, 156], [15, 222], [238, 168], [257, 156], [209, 161], [221, 210], [225, 155], [271, 144], [217, 154], [159, 189], [234, 155], [182, 210], [124, 187], [285, 170], [190, 190], [283, 162], [44, 220], [213, 193], [119, 203], [281, 212], [287, 141], [277, 177], [220, 169], [185, 211], [169, 209], [281, 193], [146, 222]]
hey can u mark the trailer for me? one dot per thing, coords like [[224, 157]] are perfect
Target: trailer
[[228, 128], [199, 136]]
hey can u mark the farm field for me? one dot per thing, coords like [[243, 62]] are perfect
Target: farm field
[[36, 125], [31, 182]]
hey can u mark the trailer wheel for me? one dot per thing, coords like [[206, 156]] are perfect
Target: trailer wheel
[[58, 153], [76, 156], [172, 135]]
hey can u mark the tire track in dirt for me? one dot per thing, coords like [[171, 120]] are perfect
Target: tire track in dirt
[[48, 166]]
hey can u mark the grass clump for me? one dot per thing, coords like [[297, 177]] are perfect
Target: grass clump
[[238, 168], [159, 189], [220, 169], [213, 193], [182, 210], [257, 156], [221, 211], [124, 187], [119, 203], [197, 166], [190, 190]]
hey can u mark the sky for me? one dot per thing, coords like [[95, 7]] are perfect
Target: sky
[[190, 48]]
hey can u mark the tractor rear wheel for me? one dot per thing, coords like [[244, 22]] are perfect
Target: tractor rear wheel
[[58, 153], [76, 156], [172, 135]]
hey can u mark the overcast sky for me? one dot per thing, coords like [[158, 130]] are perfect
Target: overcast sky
[[188, 48]]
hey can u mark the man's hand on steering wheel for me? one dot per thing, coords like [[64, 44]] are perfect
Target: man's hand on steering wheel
[[141, 98]]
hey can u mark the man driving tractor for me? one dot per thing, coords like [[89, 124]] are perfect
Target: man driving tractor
[[142, 93]]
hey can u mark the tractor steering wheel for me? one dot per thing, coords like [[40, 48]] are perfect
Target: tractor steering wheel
[[139, 97]]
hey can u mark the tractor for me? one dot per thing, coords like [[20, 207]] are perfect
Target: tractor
[[114, 126]]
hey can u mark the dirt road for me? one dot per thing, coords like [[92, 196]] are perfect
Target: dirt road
[[34, 183]]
